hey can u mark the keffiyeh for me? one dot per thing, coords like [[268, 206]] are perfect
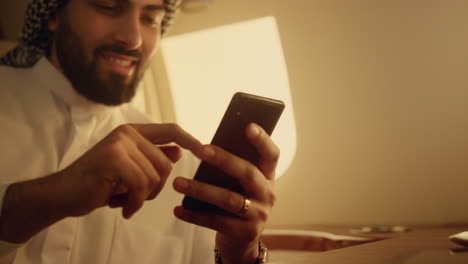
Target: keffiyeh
[[35, 38]]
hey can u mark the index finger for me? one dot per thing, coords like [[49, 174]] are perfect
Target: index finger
[[167, 133]]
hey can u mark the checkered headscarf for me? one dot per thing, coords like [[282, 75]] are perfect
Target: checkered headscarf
[[35, 38]]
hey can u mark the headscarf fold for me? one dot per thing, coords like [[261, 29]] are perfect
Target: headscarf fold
[[35, 37]]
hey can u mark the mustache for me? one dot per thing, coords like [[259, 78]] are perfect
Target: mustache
[[119, 50]]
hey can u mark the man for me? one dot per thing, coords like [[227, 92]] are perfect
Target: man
[[69, 153]]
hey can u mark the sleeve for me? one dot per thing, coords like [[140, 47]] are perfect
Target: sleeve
[[203, 246], [6, 248], [203, 238]]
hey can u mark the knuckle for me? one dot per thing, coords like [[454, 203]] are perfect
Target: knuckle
[[117, 138], [270, 196], [147, 184], [174, 127], [263, 214], [115, 151], [156, 180], [153, 181], [124, 129], [122, 133], [273, 198], [220, 159], [276, 153], [166, 168], [231, 202], [250, 174]]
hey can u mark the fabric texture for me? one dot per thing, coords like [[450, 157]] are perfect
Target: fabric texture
[[35, 37]]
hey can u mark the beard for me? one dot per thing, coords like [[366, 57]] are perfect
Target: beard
[[87, 78]]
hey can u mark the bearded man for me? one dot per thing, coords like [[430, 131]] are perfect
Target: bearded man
[[74, 150]]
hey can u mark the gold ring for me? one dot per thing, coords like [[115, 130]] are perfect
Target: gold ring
[[245, 207]]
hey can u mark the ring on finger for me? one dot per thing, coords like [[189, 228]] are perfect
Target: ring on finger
[[245, 207]]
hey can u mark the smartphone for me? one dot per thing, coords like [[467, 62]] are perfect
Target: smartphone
[[242, 110]]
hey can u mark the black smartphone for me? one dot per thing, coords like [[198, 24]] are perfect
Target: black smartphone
[[242, 110]]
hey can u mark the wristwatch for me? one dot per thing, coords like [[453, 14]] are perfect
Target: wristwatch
[[262, 254]]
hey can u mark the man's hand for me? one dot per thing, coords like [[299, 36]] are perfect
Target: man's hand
[[237, 235], [125, 168], [122, 170]]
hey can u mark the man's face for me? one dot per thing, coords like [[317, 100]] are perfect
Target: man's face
[[104, 46]]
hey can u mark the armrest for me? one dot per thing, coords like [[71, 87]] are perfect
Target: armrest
[[305, 240]]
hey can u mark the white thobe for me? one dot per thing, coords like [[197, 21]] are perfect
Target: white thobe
[[46, 125]]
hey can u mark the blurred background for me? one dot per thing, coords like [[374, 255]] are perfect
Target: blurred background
[[380, 99]]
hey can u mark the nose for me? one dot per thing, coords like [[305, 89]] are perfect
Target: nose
[[128, 32]]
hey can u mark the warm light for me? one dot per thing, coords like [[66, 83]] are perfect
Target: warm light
[[206, 68]]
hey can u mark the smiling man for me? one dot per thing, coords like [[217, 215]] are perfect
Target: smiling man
[[104, 47], [74, 150]]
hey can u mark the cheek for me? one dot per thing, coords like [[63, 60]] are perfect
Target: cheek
[[89, 30], [95, 34], [150, 43], [89, 35]]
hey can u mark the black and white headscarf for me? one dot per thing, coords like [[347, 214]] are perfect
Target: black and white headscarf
[[35, 38]]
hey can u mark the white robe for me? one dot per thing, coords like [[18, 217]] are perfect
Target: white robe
[[46, 125]]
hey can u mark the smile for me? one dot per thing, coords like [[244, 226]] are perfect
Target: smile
[[120, 64], [124, 63]]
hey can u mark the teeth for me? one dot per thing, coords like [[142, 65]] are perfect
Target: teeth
[[124, 63]]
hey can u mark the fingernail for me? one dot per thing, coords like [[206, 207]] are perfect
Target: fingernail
[[254, 129], [208, 152]]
